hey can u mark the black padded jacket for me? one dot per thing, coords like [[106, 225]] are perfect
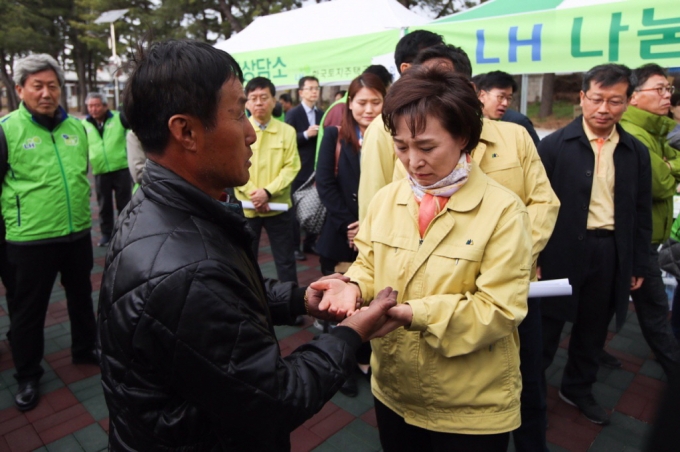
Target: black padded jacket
[[189, 358]]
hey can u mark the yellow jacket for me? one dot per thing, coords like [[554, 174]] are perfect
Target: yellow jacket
[[275, 163], [456, 368], [506, 153]]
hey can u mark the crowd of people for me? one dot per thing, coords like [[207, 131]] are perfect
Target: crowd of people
[[441, 206]]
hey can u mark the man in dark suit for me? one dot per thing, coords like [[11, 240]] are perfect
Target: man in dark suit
[[602, 176], [305, 119], [495, 90]]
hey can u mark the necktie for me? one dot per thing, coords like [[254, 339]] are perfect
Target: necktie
[[430, 206]]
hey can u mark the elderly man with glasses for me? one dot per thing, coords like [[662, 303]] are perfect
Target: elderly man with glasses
[[601, 175], [646, 119]]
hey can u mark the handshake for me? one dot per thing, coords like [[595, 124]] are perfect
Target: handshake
[[335, 298]]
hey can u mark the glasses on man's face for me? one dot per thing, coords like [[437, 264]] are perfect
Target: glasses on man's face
[[254, 99], [670, 89], [501, 97], [312, 88], [615, 102]]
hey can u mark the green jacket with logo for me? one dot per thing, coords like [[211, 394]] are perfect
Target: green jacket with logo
[[651, 130], [107, 153], [45, 191]]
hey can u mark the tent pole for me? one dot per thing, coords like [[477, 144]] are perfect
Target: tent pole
[[524, 94]]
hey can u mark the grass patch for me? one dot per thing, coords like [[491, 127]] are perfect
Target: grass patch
[[563, 114]]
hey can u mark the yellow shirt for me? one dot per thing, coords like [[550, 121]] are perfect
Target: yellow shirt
[[506, 153], [601, 210], [275, 163], [456, 368]]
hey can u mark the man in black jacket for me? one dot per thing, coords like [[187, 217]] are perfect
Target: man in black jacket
[[602, 176], [189, 356]]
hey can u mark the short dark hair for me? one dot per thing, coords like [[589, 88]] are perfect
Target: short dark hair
[[260, 83], [643, 73], [175, 77], [409, 45], [437, 92], [285, 97], [456, 55], [496, 79], [301, 82], [608, 75], [382, 72], [477, 79]]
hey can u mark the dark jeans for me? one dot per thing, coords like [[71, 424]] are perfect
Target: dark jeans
[[530, 436], [119, 181], [398, 436], [651, 306], [36, 270], [595, 311], [675, 312], [278, 229]]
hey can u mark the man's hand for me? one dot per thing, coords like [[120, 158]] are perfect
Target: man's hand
[[314, 297], [636, 282], [339, 298], [312, 131], [374, 321], [259, 198]]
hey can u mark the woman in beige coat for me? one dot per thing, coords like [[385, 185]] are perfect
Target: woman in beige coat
[[457, 247]]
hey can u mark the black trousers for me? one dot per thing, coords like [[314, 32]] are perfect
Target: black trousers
[[530, 436], [105, 184], [651, 307], [278, 229], [36, 270], [8, 277], [595, 311], [398, 436]]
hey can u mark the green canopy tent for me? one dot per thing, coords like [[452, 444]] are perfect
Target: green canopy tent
[[539, 36], [334, 41]]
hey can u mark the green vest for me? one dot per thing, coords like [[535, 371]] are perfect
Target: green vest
[[45, 193], [107, 154]]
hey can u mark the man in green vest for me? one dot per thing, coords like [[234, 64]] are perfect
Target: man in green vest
[[646, 119], [106, 132], [45, 201]]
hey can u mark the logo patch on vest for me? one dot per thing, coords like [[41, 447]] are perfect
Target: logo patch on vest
[[31, 143], [70, 140]]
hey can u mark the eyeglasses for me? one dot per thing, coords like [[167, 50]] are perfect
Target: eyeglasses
[[670, 89], [501, 97], [312, 88], [264, 98], [614, 103]]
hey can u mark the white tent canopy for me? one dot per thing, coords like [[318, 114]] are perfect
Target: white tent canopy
[[321, 22], [334, 41]]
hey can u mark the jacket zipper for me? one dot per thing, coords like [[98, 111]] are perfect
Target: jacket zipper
[[63, 178], [106, 160]]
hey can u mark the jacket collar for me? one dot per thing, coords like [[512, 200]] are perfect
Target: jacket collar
[[49, 123], [467, 198], [653, 124], [273, 126], [574, 130], [163, 186]]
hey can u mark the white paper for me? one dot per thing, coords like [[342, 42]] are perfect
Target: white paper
[[277, 206], [550, 288]]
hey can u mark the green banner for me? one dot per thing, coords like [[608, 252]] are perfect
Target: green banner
[[632, 32], [331, 61]]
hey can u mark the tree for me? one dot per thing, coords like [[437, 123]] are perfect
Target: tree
[[547, 96]]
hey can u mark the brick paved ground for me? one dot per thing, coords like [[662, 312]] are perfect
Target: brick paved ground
[[72, 414]]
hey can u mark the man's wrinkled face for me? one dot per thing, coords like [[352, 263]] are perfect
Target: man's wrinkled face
[[96, 109], [603, 106], [40, 92], [654, 96]]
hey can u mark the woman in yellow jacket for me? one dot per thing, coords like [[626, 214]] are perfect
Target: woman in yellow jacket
[[457, 247]]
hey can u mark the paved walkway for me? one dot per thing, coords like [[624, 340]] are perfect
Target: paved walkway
[[72, 415]]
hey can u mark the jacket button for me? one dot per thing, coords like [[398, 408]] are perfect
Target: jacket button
[[585, 207], [589, 173], [410, 413], [580, 237]]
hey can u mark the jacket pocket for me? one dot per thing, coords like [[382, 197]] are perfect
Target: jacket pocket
[[18, 211], [454, 268]]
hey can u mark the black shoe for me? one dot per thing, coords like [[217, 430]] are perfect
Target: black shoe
[[28, 395], [105, 240], [90, 357], [589, 407], [608, 360], [350, 388], [299, 255]]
